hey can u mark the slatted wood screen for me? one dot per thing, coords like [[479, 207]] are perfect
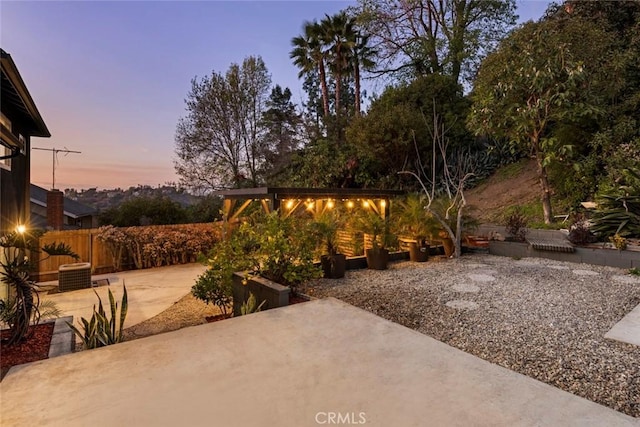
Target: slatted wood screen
[[350, 242]]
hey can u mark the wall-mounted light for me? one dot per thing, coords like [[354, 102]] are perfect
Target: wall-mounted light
[[21, 229]]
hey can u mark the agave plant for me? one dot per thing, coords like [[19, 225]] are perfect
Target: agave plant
[[24, 307], [100, 330], [619, 211], [251, 305]]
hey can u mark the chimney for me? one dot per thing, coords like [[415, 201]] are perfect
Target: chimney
[[55, 209]]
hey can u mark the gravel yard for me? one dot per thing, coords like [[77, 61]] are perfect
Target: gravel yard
[[542, 318]]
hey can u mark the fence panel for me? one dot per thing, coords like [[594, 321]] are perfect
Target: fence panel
[[85, 243]]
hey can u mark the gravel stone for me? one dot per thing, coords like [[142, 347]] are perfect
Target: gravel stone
[[558, 267], [465, 287], [481, 277], [461, 304], [585, 273], [538, 317], [627, 279]]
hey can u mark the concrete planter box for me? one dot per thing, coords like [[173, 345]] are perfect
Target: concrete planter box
[[273, 293], [597, 256]]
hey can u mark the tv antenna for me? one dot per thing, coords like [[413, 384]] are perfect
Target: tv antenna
[[54, 157]]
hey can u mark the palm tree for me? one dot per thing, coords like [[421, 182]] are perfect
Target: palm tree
[[308, 54], [361, 58], [338, 37]]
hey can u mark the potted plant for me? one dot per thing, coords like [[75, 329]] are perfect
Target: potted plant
[[414, 220], [333, 263], [377, 227]]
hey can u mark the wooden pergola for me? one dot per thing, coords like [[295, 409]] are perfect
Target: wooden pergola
[[317, 200]]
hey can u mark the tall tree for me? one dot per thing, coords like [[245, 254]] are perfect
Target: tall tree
[[338, 38], [533, 81], [308, 55], [218, 141], [419, 37], [282, 125], [334, 51], [362, 59]]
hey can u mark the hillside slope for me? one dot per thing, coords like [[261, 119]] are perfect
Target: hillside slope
[[512, 185]]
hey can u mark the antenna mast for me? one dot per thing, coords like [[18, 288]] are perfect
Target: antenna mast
[[54, 154]]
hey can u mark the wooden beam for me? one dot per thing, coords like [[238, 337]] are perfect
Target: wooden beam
[[265, 206], [237, 213]]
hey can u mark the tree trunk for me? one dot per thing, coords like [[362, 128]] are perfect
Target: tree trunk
[[338, 93], [357, 84], [546, 189], [325, 91]]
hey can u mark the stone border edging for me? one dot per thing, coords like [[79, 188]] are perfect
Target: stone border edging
[[606, 257], [63, 340]]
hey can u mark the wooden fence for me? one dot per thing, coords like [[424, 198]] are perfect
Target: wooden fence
[[89, 248], [85, 243]]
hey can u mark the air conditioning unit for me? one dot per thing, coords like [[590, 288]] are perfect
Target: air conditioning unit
[[74, 276]]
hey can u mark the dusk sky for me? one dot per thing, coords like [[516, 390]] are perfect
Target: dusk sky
[[110, 78]]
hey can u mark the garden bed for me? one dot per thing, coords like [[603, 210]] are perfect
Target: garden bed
[[36, 347]]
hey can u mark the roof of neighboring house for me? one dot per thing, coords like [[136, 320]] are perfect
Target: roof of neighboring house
[[72, 208], [16, 94]]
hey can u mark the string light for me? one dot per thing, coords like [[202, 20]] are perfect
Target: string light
[[21, 229], [289, 204], [349, 204], [330, 204], [365, 204], [383, 203]]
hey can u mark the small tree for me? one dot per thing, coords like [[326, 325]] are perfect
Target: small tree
[[445, 194], [215, 286], [15, 267]]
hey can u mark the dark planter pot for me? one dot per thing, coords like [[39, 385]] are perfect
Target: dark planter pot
[[333, 266], [377, 259], [418, 252]]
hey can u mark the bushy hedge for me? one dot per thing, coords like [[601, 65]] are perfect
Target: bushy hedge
[[155, 246]]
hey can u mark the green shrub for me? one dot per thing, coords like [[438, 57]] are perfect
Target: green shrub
[[215, 286], [285, 248], [100, 330]]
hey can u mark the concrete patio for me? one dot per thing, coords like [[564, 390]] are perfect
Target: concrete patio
[[149, 292], [301, 365]]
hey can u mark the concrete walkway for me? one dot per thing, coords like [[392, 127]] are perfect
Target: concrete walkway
[[627, 329], [303, 365], [149, 292]]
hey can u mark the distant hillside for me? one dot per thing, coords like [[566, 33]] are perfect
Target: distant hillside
[[105, 199], [512, 185]]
